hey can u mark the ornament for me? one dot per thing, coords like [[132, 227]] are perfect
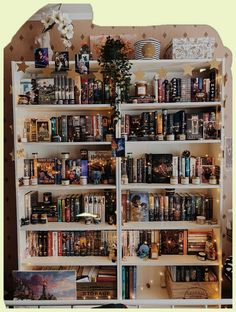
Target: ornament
[[46, 71], [162, 73], [214, 64], [139, 74], [72, 74], [22, 67], [98, 75], [188, 70]]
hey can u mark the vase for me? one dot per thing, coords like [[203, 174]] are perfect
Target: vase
[[44, 42]]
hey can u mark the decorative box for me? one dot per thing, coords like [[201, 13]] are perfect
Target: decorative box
[[191, 48], [191, 290], [147, 49]]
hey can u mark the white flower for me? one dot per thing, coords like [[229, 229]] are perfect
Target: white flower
[[65, 26], [57, 16], [67, 43], [47, 20]]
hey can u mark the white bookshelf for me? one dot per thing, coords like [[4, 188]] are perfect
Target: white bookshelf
[[197, 147]]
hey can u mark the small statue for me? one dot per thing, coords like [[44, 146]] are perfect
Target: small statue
[[44, 42]]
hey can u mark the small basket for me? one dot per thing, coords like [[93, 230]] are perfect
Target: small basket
[[147, 49]]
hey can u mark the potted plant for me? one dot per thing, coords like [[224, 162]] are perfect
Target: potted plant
[[115, 68]]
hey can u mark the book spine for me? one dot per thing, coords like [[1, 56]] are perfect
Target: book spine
[[175, 169], [59, 243], [144, 170], [164, 121], [166, 208], [149, 168], [90, 90], [59, 210], [63, 209], [84, 90], [64, 128], [134, 282], [72, 240], [40, 243], [183, 171], [135, 174], [49, 251], [187, 166], [45, 243], [72, 209], [123, 282], [54, 244]]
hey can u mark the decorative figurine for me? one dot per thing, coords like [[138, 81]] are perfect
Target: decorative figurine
[[143, 251]]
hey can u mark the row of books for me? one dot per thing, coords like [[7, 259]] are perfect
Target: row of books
[[164, 125], [78, 128], [129, 282], [192, 274], [69, 208], [171, 206], [169, 242], [69, 243], [98, 168], [158, 168]]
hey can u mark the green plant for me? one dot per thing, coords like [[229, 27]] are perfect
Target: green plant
[[115, 68]]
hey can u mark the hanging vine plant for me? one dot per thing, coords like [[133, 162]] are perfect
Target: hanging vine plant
[[115, 68]]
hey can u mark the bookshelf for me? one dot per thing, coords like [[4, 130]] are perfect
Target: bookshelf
[[145, 268]]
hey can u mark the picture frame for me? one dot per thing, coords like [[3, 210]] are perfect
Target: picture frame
[[43, 130], [61, 61], [82, 63], [45, 285], [41, 57]]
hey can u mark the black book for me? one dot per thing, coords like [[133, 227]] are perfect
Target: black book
[[164, 121], [161, 168]]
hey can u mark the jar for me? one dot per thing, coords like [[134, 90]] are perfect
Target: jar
[[34, 181], [83, 180], [43, 219], [185, 180], [173, 180], [201, 219], [26, 181], [170, 137], [65, 182], [141, 88], [201, 256], [212, 180], [195, 180]]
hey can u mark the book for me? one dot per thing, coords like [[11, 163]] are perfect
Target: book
[[139, 205], [161, 168]]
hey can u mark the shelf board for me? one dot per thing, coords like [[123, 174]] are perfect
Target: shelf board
[[165, 260], [65, 107], [67, 226], [127, 143], [65, 143], [148, 186], [167, 225], [73, 187], [83, 261], [175, 105]]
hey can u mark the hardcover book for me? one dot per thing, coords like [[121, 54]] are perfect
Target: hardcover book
[[161, 168], [139, 205], [172, 242], [45, 285], [46, 171]]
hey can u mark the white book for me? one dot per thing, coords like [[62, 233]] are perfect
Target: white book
[[175, 166], [54, 244]]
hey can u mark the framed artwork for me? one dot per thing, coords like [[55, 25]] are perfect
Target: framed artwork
[[43, 130], [45, 285]]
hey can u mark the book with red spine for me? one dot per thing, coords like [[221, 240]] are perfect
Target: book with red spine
[[49, 243], [59, 243]]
